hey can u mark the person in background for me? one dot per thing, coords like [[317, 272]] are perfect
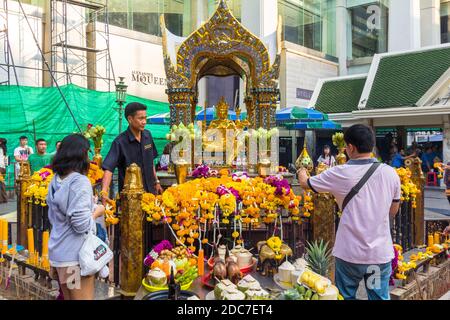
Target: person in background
[[363, 246], [436, 153], [447, 180], [165, 158], [41, 158], [447, 230], [57, 145], [428, 159], [398, 158], [326, 157], [21, 153], [72, 213], [3, 165]]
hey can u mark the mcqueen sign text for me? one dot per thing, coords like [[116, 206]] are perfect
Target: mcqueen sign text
[[147, 78]]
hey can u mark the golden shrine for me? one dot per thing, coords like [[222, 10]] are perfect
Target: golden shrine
[[222, 47], [224, 128]]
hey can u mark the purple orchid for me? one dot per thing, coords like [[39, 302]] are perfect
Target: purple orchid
[[201, 171], [222, 190], [153, 255], [239, 176], [44, 175], [279, 183], [394, 265]]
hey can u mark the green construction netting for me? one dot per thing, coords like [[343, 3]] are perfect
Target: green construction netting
[[41, 113]]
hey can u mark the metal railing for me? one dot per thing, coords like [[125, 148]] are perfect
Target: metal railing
[[402, 226]]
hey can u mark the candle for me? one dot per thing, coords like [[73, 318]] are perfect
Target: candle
[[201, 263], [430, 240], [437, 238], [5, 235], [45, 235], [30, 240]]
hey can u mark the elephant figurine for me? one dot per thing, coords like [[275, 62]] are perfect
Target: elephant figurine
[[267, 260]]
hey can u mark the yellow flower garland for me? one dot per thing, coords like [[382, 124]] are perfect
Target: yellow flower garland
[[409, 190], [38, 188], [187, 205]]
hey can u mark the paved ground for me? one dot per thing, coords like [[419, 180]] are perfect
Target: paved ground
[[436, 204]]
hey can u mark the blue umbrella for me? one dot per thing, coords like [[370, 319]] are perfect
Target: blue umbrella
[[284, 114], [327, 124], [299, 113], [161, 118], [211, 114]]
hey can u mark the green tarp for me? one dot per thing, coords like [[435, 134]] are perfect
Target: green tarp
[[41, 113]]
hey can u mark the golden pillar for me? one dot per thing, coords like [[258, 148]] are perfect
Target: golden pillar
[[266, 104], [323, 219], [181, 101], [131, 232], [323, 222], [418, 178], [23, 207], [251, 115]]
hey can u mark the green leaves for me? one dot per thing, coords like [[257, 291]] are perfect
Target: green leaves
[[318, 257]]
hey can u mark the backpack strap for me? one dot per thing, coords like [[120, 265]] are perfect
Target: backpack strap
[[354, 191]]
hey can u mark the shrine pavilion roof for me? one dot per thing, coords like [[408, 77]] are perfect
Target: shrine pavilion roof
[[339, 95], [400, 80]]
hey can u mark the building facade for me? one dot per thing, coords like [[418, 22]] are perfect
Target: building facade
[[322, 39]]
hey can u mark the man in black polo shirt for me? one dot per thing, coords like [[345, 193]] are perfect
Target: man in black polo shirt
[[135, 145]]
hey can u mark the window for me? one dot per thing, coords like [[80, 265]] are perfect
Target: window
[[234, 5], [310, 23], [369, 28], [143, 15], [118, 13], [445, 21]]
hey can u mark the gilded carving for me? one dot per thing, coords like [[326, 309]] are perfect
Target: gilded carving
[[223, 46]]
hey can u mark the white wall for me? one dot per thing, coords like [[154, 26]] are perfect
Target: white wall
[[430, 20], [140, 61], [404, 25], [260, 16], [25, 52], [301, 70]]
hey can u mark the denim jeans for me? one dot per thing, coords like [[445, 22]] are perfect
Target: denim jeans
[[376, 279]]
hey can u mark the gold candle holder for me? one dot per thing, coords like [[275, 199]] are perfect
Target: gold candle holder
[[98, 159], [341, 158], [31, 258], [263, 169], [181, 171]]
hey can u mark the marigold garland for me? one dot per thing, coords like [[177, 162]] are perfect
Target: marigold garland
[[40, 181], [409, 190], [38, 189], [239, 199]]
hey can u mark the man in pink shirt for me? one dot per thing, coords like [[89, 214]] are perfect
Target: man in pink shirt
[[368, 194]]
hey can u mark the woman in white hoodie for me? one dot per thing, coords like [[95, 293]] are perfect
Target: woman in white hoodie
[[72, 213]]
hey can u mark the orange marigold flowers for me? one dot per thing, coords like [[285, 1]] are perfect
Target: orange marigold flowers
[[200, 201], [246, 220]]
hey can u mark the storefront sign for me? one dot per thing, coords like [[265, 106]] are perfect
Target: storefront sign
[[304, 94], [147, 78]]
